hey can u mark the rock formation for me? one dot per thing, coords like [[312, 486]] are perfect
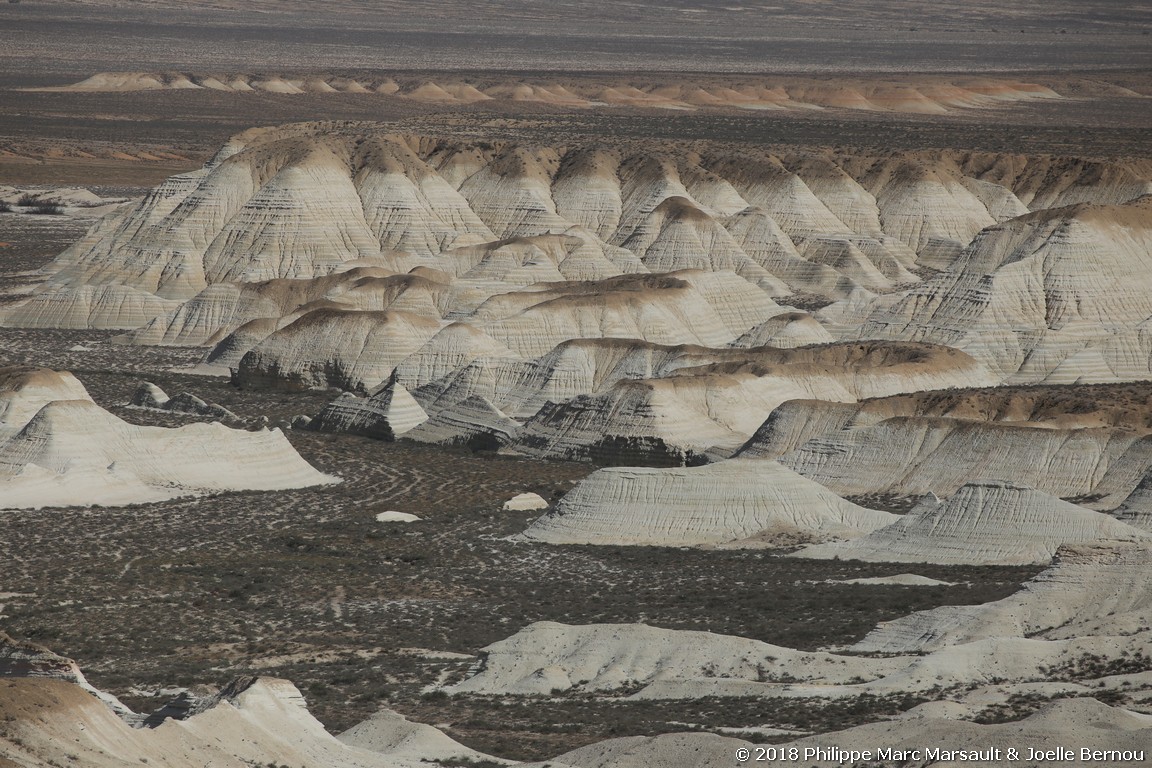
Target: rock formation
[[59, 448], [736, 502], [253, 721], [912, 456], [390, 412], [1085, 722]]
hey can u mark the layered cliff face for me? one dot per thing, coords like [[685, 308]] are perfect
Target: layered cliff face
[[906, 456], [1091, 590], [1059, 296], [305, 201], [485, 277]]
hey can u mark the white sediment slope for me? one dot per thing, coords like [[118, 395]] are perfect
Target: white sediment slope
[[982, 524], [547, 657], [698, 400], [1085, 613], [59, 448], [736, 502], [308, 201]]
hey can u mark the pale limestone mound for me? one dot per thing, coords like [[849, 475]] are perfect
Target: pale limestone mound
[[791, 329], [684, 307], [745, 503], [303, 202], [390, 733], [72, 452], [1091, 591], [548, 657], [899, 580], [621, 398], [793, 424], [390, 412], [332, 347], [24, 391], [982, 524], [522, 502], [221, 308]]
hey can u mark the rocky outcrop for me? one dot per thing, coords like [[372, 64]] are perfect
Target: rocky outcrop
[[547, 657], [1084, 721], [309, 201], [252, 721], [474, 422], [714, 406]]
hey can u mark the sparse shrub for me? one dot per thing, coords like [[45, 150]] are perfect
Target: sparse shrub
[[5, 207], [26, 199], [46, 209]]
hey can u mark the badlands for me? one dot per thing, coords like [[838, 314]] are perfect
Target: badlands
[[588, 385]]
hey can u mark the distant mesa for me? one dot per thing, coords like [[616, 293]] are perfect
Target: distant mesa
[[923, 94]]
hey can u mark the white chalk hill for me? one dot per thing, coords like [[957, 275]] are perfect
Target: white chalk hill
[[59, 448]]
